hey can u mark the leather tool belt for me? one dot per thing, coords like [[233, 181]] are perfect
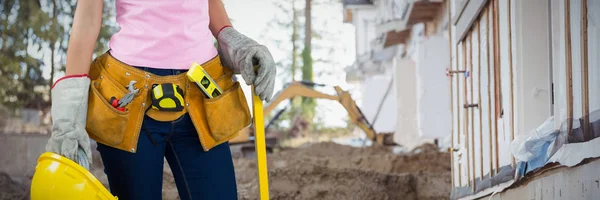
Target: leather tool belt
[[216, 120]]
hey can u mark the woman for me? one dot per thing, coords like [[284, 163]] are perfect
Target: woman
[[157, 43]]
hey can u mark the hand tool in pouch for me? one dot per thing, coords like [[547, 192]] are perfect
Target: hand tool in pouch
[[120, 104], [198, 75], [167, 97]]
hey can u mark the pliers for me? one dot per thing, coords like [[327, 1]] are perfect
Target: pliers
[[120, 104]]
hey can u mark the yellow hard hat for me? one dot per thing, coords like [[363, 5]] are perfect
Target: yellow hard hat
[[57, 177]]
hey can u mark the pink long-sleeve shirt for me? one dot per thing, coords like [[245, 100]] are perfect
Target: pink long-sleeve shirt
[[164, 34]]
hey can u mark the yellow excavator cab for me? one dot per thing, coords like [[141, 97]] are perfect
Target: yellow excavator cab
[[57, 177]]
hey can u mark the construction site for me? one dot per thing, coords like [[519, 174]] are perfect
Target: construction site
[[310, 166], [407, 99], [321, 171]]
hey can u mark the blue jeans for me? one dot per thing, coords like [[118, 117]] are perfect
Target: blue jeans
[[198, 174]]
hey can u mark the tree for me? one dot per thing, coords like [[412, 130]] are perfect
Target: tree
[[308, 104], [288, 30], [34, 39], [23, 27]]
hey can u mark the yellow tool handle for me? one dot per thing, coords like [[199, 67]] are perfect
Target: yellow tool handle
[[259, 144]]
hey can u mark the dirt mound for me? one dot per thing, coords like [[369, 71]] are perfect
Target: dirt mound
[[333, 171], [320, 171], [12, 190], [329, 149], [377, 158], [319, 182]]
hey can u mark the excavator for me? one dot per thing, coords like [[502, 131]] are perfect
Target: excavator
[[245, 140]]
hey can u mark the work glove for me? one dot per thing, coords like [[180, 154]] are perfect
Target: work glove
[[240, 54], [69, 114]]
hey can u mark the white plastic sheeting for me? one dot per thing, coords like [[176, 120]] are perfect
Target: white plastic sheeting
[[572, 154], [528, 146]]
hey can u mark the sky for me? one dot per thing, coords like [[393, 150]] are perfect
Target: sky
[[252, 18]]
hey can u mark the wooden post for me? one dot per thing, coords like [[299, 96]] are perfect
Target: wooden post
[[587, 134], [512, 83], [466, 115], [458, 115], [451, 95], [479, 100], [489, 80], [471, 111], [497, 83], [569, 67]]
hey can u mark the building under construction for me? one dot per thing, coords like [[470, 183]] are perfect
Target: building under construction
[[516, 80]]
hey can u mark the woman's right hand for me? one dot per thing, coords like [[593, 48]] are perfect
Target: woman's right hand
[[70, 93], [69, 113]]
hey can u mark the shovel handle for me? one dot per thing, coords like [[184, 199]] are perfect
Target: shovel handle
[[260, 146]]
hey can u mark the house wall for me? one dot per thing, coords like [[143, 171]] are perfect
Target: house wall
[[583, 101], [364, 21], [593, 52], [432, 88], [532, 64], [379, 111], [513, 67], [482, 100], [407, 132]]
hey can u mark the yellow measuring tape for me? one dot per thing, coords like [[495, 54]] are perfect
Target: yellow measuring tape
[[259, 144]]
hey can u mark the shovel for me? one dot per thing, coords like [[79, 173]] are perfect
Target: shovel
[[259, 144]]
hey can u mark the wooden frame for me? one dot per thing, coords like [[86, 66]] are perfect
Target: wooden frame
[[488, 16], [512, 85], [479, 98], [460, 10], [452, 181], [569, 66], [497, 81], [458, 115], [470, 111], [470, 12], [466, 115], [587, 134]]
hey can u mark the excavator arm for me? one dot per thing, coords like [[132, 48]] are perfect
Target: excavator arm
[[304, 89], [296, 89]]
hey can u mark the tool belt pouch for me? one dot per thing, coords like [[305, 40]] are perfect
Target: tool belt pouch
[[228, 113], [105, 123]]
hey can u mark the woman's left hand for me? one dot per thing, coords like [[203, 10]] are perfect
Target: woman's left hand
[[241, 54]]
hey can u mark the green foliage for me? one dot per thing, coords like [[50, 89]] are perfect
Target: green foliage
[[23, 26], [308, 104], [34, 39]]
